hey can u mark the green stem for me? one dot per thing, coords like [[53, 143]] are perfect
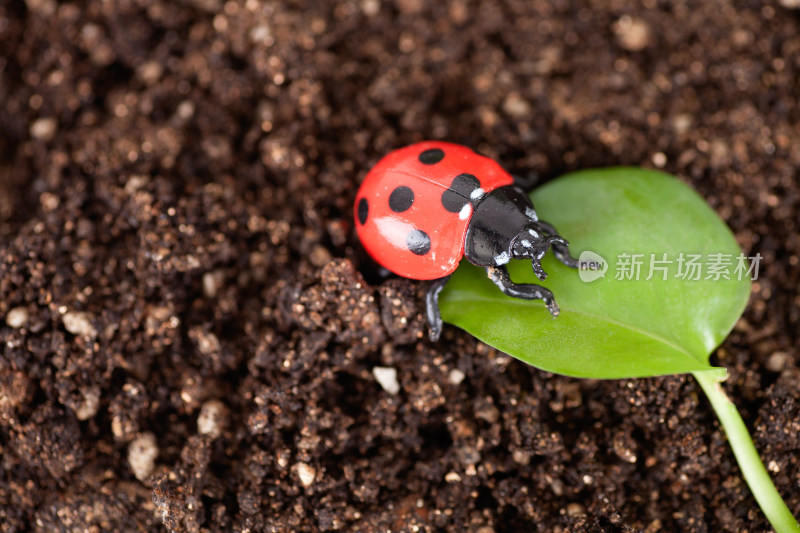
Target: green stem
[[753, 469]]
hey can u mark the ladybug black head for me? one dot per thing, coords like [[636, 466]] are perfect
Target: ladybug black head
[[504, 227]]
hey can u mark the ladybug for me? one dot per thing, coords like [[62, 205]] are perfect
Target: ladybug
[[422, 208]]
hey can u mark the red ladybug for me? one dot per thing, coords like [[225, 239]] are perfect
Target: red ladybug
[[424, 207]]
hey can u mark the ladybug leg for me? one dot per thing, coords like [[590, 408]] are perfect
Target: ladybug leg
[[432, 307], [499, 275], [559, 250]]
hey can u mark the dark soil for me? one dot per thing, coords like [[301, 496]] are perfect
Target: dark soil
[[179, 273]]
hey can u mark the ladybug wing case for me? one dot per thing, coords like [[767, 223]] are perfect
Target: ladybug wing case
[[404, 226]]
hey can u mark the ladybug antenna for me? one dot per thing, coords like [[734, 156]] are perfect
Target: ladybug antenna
[[532, 243]]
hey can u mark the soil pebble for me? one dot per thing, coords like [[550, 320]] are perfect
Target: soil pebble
[[17, 317], [142, 454], [387, 378]]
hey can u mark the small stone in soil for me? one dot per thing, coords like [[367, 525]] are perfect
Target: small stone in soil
[[777, 361], [44, 129], [91, 402], [306, 474], [142, 454], [17, 317], [456, 376], [79, 323], [212, 419], [632, 34], [387, 378]]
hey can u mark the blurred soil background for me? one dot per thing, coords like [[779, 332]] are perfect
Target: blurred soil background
[[190, 328]]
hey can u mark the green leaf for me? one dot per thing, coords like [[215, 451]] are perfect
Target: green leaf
[[613, 328]]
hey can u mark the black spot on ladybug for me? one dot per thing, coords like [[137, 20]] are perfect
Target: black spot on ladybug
[[363, 211], [431, 157], [418, 242], [460, 191], [401, 199]]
